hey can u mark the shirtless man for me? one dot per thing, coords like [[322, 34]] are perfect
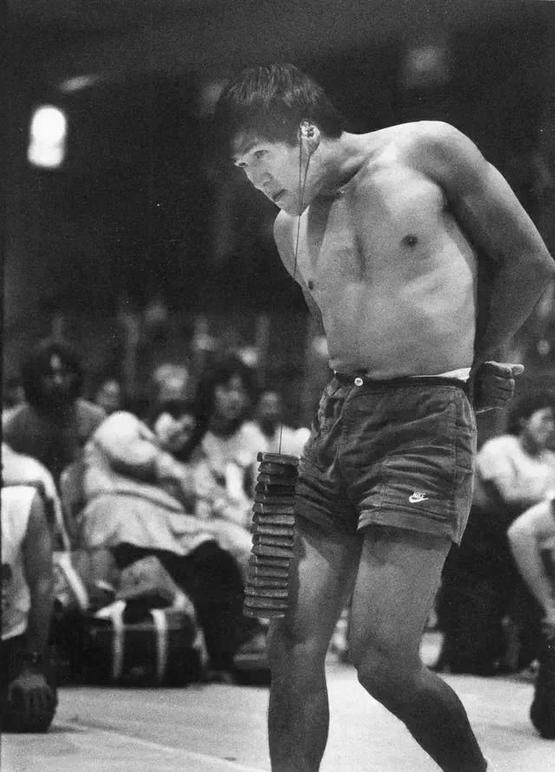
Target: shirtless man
[[382, 231]]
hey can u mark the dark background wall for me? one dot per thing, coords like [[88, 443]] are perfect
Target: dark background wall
[[142, 211]]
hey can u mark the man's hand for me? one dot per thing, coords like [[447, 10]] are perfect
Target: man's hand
[[493, 384], [32, 701]]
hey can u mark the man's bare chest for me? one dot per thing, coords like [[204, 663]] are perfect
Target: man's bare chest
[[392, 231], [328, 246]]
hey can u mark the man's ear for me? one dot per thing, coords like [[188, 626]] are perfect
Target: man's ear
[[309, 136]]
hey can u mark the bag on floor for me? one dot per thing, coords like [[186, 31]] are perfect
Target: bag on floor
[[148, 579], [70, 580], [129, 644]]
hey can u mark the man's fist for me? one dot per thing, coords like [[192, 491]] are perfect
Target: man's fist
[[493, 384], [32, 703]]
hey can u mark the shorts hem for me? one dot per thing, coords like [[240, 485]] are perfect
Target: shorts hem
[[408, 521], [327, 521]]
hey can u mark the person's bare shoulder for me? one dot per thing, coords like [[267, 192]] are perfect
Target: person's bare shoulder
[[426, 146], [442, 151]]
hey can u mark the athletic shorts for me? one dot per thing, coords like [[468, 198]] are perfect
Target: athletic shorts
[[397, 453]]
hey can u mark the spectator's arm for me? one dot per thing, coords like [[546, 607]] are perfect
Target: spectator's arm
[[129, 446], [37, 559], [30, 687], [525, 537], [498, 474]]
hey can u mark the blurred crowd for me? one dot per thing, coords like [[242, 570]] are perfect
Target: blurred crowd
[[126, 535], [147, 510]]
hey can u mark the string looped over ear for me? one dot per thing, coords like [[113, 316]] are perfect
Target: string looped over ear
[[309, 134], [307, 130]]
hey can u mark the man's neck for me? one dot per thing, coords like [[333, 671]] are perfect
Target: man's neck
[[341, 160]]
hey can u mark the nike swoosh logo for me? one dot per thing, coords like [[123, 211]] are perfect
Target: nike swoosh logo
[[415, 497]]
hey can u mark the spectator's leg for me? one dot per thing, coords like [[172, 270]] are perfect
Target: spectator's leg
[[212, 579]]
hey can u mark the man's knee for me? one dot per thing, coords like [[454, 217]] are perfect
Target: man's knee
[[388, 675], [292, 654]]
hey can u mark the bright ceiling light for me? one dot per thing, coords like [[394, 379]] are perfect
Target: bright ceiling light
[[47, 138]]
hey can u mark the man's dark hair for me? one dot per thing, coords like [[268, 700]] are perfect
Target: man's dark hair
[[525, 406], [37, 364], [217, 374], [271, 101]]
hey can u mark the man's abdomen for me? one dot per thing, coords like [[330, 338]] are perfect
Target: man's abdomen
[[388, 337]]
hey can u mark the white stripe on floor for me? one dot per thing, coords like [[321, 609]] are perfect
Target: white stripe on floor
[[183, 755]]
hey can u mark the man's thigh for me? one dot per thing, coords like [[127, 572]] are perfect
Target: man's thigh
[[398, 576], [321, 582]]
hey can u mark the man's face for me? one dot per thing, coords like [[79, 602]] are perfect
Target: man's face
[[271, 167], [539, 427], [269, 409], [57, 381], [109, 397], [230, 399], [174, 433]]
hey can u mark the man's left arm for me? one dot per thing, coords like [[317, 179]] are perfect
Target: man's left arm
[[495, 223]]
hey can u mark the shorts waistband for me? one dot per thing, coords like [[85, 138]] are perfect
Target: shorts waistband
[[406, 380]]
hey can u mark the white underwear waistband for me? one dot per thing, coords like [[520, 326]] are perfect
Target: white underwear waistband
[[462, 374]]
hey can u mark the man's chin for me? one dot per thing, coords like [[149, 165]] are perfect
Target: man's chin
[[291, 209]]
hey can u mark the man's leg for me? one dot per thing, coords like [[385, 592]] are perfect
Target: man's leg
[[398, 576], [326, 566]]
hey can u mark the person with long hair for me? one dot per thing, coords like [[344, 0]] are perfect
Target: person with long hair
[[54, 422]]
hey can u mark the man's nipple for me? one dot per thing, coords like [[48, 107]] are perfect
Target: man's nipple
[[410, 240]]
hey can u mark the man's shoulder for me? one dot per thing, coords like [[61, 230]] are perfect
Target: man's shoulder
[[89, 411], [119, 423], [424, 146], [21, 466], [422, 134], [16, 414]]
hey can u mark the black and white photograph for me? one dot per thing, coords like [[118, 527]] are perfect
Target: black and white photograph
[[278, 386]]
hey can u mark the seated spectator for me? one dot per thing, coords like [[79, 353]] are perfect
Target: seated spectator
[[109, 396], [139, 500], [517, 469], [481, 586], [280, 438], [225, 395], [532, 540], [54, 423], [27, 692], [215, 500], [170, 381], [18, 469]]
